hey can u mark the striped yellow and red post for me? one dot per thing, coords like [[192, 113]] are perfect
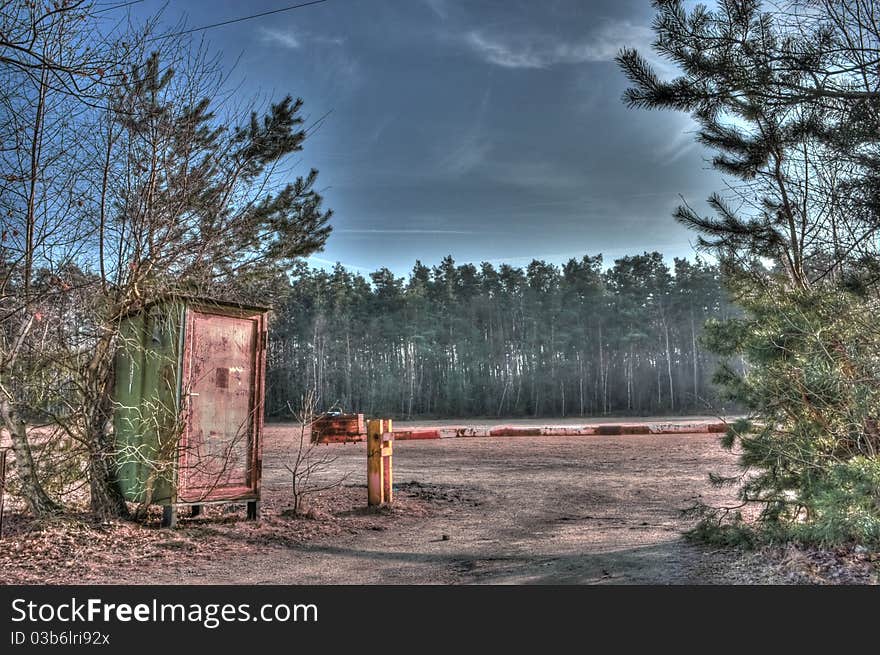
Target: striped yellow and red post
[[380, 475]]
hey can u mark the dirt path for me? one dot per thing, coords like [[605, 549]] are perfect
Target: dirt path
[[507, 510]]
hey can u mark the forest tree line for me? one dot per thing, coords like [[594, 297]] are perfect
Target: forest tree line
[[454, 340]]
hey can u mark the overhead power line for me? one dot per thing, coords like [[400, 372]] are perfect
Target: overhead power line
[[239, 20], [117, 6]]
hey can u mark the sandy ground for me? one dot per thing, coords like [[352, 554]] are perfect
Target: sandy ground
[[485, 510], [505, 511]]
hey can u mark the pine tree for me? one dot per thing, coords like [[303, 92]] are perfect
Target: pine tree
[[190, 213], [787, 102]]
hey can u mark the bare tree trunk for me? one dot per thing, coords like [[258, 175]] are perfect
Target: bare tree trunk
[[412, 378], [629, 379], [562, 391], [107, 500], [669, 366], [38, 501], [102, 221], [348, 398], [603, 373], [518, 389], [605, 405], [35, 158], [695, 356], [501, 402], [423, 397], [581, 381], [659, 383], [537, 390]]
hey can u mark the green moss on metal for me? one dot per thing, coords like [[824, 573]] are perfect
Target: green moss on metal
[[147, 400]]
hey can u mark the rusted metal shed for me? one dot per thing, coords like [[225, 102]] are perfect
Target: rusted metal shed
[[189, 391]]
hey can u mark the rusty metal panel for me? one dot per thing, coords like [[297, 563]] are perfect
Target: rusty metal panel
[[339, 428], [222, 390]]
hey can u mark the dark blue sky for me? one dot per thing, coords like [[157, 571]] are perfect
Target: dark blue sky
[[491, 131]]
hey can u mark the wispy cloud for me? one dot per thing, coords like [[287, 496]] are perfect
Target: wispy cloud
[[539, 174], [284, 38], [327, 57], [677, 146], [326, 40], [294, 39], [398, 231], [439, 8], [542, 50], [508, 55], [472, 148], [322, 262], [468, 154], [674, 138]]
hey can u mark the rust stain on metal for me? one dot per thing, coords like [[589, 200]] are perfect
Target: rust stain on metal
[[224, 362], [339, 428], [221, 378]]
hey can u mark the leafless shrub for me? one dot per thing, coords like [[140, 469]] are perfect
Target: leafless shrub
[[308, 463]]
